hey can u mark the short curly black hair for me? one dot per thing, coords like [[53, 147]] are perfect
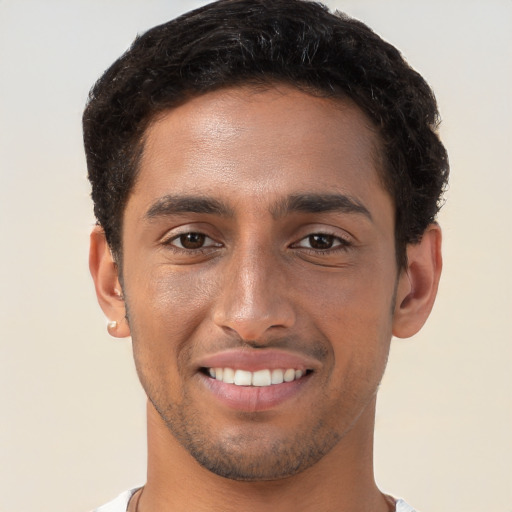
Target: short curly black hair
[[239, 42]]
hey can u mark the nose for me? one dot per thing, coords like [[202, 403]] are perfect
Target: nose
[[253, 297]]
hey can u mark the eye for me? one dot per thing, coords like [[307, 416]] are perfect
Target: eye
[[192, 241], [322, 242]]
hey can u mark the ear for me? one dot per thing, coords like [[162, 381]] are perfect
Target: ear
[[418, 283], [104, 272]]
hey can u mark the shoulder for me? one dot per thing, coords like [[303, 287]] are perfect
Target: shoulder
[[119, 504]]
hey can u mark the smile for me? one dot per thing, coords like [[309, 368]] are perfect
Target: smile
[[260, 378], [256, 380]]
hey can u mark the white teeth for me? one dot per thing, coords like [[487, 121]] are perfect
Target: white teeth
[[229, 376], [277, 376], [289, 375], [243, 378], [260, 378]]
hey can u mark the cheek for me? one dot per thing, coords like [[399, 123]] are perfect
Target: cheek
[[165, 311], [359, 296], [354, 312], [170, 300]]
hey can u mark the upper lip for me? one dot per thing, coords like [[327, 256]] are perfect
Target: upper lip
[[253, 360]]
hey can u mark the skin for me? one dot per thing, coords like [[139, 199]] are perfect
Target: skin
[[266, 275]]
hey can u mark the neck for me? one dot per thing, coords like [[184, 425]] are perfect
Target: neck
[[341, 481]]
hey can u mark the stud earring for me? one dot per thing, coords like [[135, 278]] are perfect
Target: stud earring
[[111, 325]]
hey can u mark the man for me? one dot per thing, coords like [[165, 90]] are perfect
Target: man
[[266, 177]]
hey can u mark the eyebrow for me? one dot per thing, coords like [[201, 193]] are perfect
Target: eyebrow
[[172, 205], [319, 203], [306, 203]]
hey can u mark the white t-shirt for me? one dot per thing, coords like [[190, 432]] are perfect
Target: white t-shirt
[[120, 504]]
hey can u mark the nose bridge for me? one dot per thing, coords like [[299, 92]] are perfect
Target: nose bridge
[[253, 297]]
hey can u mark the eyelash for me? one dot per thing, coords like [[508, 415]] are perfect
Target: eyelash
[[343, 244], [199, 250]]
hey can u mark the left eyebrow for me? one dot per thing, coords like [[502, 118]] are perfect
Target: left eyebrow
[[319, 203]]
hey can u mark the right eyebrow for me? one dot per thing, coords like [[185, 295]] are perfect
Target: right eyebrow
[[172, 205]]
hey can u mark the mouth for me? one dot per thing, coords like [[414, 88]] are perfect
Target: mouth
[[260, 378], [252, 381]]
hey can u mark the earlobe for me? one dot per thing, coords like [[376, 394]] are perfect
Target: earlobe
[[104, 272], [418, 283]]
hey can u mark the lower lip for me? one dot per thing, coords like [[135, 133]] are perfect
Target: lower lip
[[254, 398]]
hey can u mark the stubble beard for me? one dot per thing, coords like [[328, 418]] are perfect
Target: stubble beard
[[244, 456]]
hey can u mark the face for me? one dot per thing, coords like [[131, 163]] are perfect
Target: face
[[259, 275]]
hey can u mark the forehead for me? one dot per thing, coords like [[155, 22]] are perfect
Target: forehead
[[256, 144]]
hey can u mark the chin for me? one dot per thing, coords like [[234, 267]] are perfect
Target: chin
[[255, 453]]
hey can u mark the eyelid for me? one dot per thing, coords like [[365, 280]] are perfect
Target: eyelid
[[174, 234], [204, 246], [345, 238], [342, 242]]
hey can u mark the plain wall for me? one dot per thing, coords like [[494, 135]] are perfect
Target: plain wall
[[72, 424]]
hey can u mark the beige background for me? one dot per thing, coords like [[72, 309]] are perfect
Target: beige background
[[72, 431]]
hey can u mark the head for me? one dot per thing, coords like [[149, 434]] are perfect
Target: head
[[260, 43], [266, 177]]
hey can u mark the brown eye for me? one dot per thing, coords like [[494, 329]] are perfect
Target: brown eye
[[192, 244], [190, 240], [321, 241]]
